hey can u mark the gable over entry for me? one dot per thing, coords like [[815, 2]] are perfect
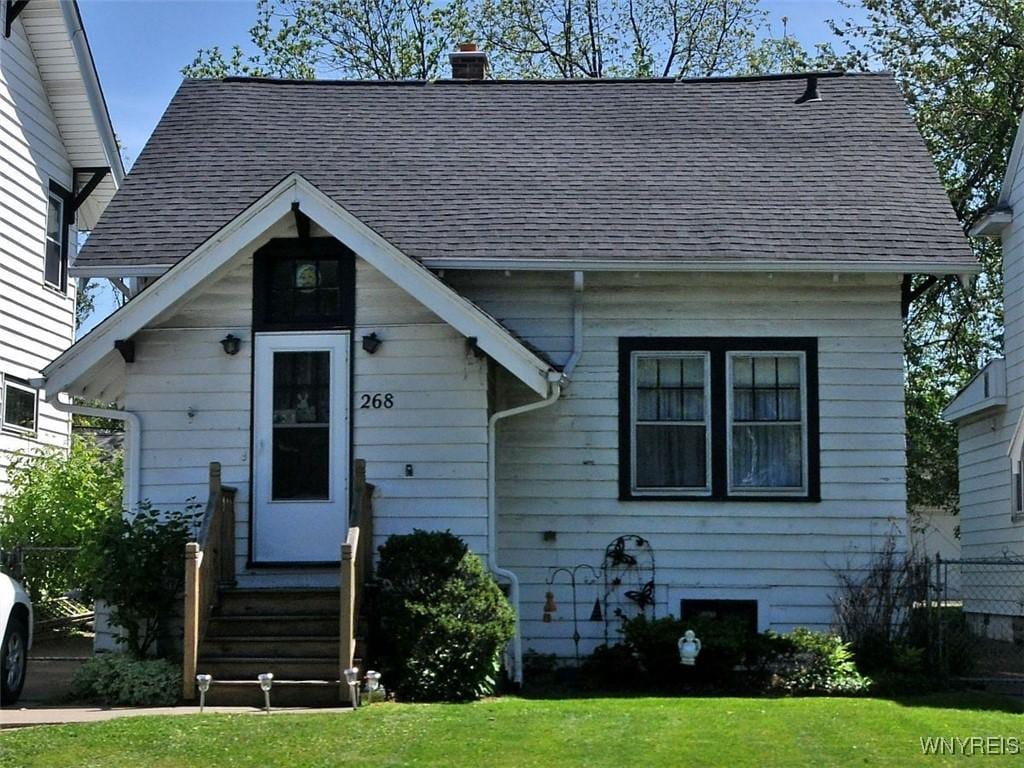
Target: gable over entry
[[73, 369]]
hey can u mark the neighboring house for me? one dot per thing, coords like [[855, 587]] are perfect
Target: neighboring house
[[59, 167], [688, 292], [989, 413]]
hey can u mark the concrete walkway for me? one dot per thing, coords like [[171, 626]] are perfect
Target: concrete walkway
[[34, 715]]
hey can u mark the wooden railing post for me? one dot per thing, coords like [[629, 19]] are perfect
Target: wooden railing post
[[227, 537], [347, 619], [193, 561]]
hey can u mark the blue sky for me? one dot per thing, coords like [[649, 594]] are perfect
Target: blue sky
[[140, 47]]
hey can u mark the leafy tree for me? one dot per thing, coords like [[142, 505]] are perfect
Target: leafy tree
[[59, 499], [388, 39], [960, 64], [85, 300]]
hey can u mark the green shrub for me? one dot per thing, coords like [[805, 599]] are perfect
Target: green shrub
[[114, 679], [443, 619], [59, 499], [137, 564], [817, 662]]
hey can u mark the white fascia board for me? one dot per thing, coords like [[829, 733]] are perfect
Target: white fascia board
[[213, 256], [149, 270], [93, 90], [1009, 178], [424, 286], [992, 223], [986, 391], [676, 265]]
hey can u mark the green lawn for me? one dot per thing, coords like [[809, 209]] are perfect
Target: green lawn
[[618, 733]]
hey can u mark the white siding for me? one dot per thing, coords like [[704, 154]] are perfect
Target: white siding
[[557, 468], [987, 527], [438, 423], [36, 322]]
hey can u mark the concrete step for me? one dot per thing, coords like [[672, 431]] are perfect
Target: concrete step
[[235, 667], [271, 624], [284, 693], [293, 600], [269, 646]]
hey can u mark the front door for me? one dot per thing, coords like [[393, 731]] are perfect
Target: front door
[[300, 447]]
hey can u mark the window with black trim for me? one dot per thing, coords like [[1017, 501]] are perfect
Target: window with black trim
[[718, 418], [303, 284], [55, 263], [20, 406]]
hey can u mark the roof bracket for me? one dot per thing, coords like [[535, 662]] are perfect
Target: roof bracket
[[14, 7], [302, 222], [98, 174], [127, 349]]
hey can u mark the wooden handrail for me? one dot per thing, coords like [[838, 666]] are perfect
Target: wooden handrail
[[209, 565], [356, 566]]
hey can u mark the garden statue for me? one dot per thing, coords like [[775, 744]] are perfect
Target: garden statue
[[689, 647]]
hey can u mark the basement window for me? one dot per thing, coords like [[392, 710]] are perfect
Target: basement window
[[718, 418], [20, 406]]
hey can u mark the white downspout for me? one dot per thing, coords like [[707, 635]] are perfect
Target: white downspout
[[577, 325], [554, 391], [133, 441]]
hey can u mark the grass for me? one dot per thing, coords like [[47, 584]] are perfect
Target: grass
[[596, 733]]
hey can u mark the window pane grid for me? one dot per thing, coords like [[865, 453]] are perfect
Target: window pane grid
[[767, 414], [670, 418]]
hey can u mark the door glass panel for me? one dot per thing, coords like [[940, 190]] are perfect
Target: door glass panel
[[301, 425]]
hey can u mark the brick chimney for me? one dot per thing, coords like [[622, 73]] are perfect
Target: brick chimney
[[468, 63]]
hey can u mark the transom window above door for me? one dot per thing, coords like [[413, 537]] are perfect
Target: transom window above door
[[718, 418], [303, 284]]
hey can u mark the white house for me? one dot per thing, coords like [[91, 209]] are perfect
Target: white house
[[988, 413], [59, 167], [546, 314]]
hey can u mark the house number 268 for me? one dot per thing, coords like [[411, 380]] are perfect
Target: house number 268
[[377, 400]]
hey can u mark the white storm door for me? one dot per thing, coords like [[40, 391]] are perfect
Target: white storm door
[[300, 447]]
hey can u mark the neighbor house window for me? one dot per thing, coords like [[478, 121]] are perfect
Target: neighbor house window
[[718, 418], [19, 406], [55, 265]]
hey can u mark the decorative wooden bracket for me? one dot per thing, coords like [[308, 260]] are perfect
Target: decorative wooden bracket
[[302, 222], [14, 7], [97, 175], [127, 349]]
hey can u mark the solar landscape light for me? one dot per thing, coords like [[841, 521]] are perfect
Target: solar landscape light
[[203, 683], [352, 678], [266, 683]]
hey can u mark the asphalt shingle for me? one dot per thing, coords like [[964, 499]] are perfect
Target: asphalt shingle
[[720, 170]]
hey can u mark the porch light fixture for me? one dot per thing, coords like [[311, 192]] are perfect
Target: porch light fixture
[[231, 344], [266, 683], [203, 683], [352, 678], [371, 343]]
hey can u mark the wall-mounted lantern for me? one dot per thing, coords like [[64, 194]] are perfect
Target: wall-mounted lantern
[[231, 344], [371, 343]]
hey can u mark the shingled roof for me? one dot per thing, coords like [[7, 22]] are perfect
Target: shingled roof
[[724, 171]]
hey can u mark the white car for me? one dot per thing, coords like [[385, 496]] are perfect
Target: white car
[[16, 631]]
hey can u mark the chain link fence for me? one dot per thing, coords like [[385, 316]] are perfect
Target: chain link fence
[[986, 597], [49, 576]]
